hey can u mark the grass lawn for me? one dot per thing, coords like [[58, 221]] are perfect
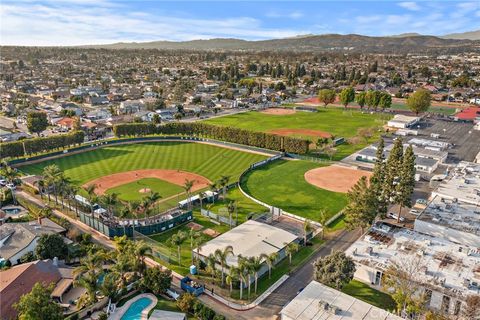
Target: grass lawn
[[293, 194], [130, 191], [337, 224], [364, 292], [206, 160], [245, 206]]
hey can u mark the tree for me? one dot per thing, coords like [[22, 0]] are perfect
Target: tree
[[419, 101], [402, 278], [372, 99], [156, 280], [50, 246], [290, 249], [347, 96], [185, 302], [242, 271], [221, 256], [231, 208], [255, 266], [392, 171], [232, 273], [270, 260], [361, 99], [327, 96], [187, 186], [377, 180], [330, 152], [224, 183], [472, 307], [360, 210], [176, 240], [323, 218], [109, 200], [385, 101], [38, 305], [335, 270], [156, 119], [307, 227], [406, 180], [37, 122], [212, 264]]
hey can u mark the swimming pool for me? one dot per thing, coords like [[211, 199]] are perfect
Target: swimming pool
[[134, 312]]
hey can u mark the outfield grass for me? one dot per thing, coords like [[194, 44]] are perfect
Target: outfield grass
[[365, 293], [206, 160], [130, 191], [293, 194]]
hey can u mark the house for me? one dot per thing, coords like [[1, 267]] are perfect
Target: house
[[18, 239], [317, 301], [401, 121], [19, 280], [131, 106]]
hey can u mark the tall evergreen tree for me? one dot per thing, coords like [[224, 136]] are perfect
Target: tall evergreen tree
[[392, 171], [377, 180], [360, 210], [406, 181]]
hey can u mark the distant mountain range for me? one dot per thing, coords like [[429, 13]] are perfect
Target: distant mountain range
[[403, 43]]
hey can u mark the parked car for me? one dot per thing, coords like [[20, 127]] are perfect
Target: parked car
[[395, 216], [422, 201], [415, 212], [11, 186], [3, 182]]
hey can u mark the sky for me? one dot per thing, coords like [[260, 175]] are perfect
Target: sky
[[81, 22]]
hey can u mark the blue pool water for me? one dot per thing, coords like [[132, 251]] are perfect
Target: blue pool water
[[101, 278], [134, 312]]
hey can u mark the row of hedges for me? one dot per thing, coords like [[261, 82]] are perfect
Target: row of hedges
[[37, 145], [229, 134]]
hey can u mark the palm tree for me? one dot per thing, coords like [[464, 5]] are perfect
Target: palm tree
[[222, 256], [201, 195], [232, 273], [51, 175], [290, 249], [41, 187], [10, 174], [255, 266], [197, 243], [270, 260], [92, 198], [224, 183], [187, 186], [133, 209], [231, 208], [71, 192], [63, 186], [192, 234], [213, 187], [323, 218], [86, 275], [141, 249], [122, 215], [153, 197], [109, 200], [211, 264], [307, 227], [242, 270], [176, 240]]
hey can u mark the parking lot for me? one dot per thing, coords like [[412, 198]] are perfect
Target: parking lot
[[465, 141]]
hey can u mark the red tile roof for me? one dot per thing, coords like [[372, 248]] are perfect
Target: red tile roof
[[470, 113]]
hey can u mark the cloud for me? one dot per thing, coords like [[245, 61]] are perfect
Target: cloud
[[413, 6], [72, 23], [289, 15]]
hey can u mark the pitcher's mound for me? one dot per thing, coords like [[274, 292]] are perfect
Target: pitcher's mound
[[144, 190], [335, 178], [278, 111]]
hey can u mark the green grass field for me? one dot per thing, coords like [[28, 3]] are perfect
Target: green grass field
[[292, 194], [206, 160], [364, 292], [130, 191], [335, 121], [332, 120]]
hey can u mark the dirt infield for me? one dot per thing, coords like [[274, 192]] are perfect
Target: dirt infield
[[173, 176], [335, 178], [194, 226], [278, 111], [302, 132], [144, 190]]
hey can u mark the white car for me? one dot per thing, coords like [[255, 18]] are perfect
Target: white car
[[3, 182], [395, 216], [11, 186], [415, 212]]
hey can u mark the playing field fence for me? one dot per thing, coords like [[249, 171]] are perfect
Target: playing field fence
[[159, 250]]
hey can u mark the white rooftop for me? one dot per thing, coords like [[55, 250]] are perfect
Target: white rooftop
[[448, 266], [457, 215], [400, 118], [463, 183], [250, 239], [317, 301]]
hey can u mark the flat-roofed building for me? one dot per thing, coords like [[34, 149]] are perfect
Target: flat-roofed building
[[462, 184], [250, 239], [448, 273], [319, 302], [401, 121], [456, 221]]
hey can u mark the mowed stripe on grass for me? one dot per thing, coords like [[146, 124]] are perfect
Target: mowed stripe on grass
[[282, 184], [209, 161]]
